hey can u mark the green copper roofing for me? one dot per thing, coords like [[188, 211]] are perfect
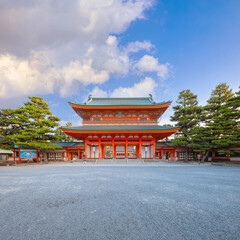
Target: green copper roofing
[[140, 101], [119, 128], [69, 144]]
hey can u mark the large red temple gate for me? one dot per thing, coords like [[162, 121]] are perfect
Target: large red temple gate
[[120, 127]]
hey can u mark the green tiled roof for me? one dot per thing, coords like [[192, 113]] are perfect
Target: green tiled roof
[[164, 144], [69, 144], [119, 128], [140, 101]]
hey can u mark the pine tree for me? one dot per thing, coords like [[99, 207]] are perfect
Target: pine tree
[[31, 126], [230, 116], [11, 122], [216, 130], [63, 137], [186, 114]]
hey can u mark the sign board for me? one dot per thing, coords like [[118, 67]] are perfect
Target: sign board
[[28, 153]]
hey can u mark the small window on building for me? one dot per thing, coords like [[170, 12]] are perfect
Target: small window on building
[[143, 119]]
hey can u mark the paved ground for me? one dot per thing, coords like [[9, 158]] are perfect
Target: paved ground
[[170, 201]]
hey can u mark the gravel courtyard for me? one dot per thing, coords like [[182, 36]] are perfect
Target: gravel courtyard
[[169, 201]]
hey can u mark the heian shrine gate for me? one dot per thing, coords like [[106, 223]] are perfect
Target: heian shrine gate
[[120, 127]]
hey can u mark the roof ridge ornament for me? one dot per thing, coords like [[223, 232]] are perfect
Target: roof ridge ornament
[[151, 98], [89, 99]]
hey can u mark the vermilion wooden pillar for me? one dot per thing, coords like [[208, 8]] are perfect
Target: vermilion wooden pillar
[[19, 161], [99, 148], [113, 150], [140, 148], [126, 150], [86, 155], [37, 156], [154, 153]]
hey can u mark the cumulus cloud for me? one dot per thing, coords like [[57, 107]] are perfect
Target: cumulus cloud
[[21, 77], [142, 88], [151, 64], [139, 89], [61, 46], [98, 92]]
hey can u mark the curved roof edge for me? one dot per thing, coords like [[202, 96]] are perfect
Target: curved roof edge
[[119, 128], [118, 102]]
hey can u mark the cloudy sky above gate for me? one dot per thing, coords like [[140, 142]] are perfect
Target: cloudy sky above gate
[[65, 50]]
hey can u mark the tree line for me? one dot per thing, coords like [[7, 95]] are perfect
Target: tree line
[[31, 126], [202, 128], [213, 126]]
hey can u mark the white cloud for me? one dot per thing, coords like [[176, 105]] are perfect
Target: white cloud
[[140, 89], [143, 88], [98, 92], [138, 46], [151, 64], [22, 77], [61, 46]]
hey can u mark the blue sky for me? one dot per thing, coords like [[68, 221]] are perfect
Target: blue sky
[[174, 45]]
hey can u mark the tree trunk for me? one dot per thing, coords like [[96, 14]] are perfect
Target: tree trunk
[[185, 154], [205, 156]]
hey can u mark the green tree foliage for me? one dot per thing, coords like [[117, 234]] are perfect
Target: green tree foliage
[[186, 116], [219, 122], [229, 118], [63, 137], [31, 126]]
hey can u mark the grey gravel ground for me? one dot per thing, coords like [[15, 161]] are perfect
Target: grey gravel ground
[[169, 201]]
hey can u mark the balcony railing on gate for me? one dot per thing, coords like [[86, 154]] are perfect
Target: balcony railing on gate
[[120, 121]]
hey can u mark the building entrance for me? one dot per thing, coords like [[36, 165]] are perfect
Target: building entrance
[[132, 151], [120, 151]]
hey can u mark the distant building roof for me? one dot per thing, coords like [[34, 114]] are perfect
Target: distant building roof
[[138, 101], [70, 144], [5, 151], [164, 144]]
